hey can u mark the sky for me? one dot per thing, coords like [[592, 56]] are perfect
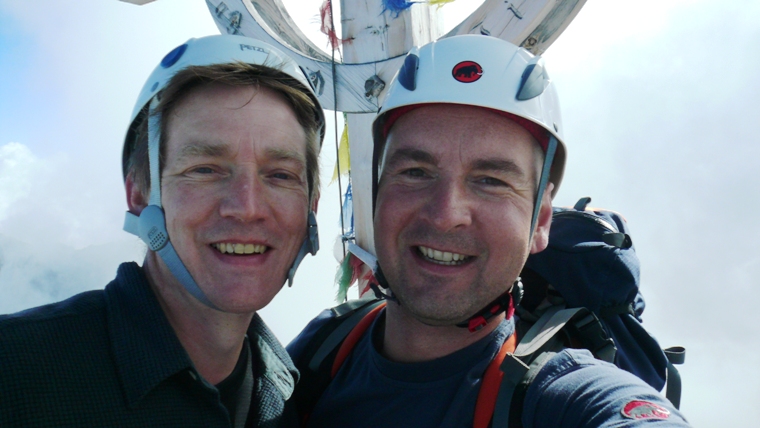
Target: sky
[[659, 109]]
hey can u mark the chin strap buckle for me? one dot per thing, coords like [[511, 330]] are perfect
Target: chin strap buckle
[[504, 303], [310, 246]]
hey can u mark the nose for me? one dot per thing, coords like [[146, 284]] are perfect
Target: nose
[[448, 207], [245, 198]]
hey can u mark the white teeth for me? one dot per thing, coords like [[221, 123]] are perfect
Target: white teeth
[[229, 248], [442, 257]]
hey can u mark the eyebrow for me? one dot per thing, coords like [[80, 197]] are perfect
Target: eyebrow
[[222, 150], [204, 150], [407, 154], [490, 164], [498, 165], [286, 155]]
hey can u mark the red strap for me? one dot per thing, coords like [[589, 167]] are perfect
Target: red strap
[[348, 344], [489, 388]]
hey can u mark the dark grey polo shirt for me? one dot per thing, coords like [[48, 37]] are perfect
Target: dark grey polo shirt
[[110, 358]]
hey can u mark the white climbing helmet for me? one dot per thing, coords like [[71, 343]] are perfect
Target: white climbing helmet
[[150, 226], [210, 50], [478, 71]]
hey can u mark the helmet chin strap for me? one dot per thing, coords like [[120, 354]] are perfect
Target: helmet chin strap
[[506, 302], [509, 300], [150, 226], [310, 246], [546, 170], [382, 282]]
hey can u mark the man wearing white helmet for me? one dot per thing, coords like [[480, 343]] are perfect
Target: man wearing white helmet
[[468, 155], [221, 177]]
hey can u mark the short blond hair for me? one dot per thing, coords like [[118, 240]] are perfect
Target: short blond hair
[[232, 74]]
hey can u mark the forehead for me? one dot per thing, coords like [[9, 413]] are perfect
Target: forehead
[[464, 131], [238, 117]]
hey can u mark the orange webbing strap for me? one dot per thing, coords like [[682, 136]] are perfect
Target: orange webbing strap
[[489, 388], [348, 344]]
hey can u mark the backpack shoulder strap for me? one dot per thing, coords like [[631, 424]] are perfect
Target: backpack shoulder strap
[[675, 355], [348, 315], [490, 385], [353, 337], [317, 359], [536, 348]]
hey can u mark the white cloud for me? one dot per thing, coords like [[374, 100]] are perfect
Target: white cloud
[[17, 167], [34, 273]]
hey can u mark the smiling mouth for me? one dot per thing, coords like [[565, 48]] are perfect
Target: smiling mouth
[[240, 249], [442, 257]]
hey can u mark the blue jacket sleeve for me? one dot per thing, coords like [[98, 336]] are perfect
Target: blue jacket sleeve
[[576, 390]]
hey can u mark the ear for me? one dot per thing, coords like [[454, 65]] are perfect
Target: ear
[[315, 204], [543, 223], [136, 201]]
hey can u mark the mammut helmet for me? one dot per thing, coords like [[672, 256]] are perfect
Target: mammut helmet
[[150, 226], [478, 71]]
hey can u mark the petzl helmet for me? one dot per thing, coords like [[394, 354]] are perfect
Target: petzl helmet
[[480, 71], [150, 226]]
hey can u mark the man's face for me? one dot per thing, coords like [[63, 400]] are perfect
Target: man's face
[[453, 210], [235, 193]]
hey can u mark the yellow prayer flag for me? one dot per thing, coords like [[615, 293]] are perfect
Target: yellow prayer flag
[[440, 3], [344, 159]]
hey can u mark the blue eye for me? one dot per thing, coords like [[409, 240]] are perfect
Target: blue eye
[[414, 172], [490, 181], [204, 170]]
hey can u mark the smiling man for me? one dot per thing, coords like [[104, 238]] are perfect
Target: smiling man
[[221, 177], [468, 154]]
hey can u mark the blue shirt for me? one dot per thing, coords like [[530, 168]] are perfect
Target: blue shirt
[[572, 390]]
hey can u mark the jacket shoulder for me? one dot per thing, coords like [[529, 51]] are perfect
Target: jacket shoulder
[[43, 331]]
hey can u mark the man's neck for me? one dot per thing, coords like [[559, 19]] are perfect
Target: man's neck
[[407, 340], [213, 339]]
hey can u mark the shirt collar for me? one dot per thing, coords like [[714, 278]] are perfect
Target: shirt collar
[[146, 348], [441, 368], [274, 363]]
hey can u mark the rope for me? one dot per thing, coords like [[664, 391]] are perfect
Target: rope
[[335, 119]]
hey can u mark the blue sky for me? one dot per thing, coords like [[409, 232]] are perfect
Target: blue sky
[[15, 65], [659, 106]]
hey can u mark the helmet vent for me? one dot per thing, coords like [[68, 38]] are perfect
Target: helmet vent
[[534, 81], [407, 76], [172, 57]]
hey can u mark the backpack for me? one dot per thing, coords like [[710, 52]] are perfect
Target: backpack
[[591, 262], [580, 292]]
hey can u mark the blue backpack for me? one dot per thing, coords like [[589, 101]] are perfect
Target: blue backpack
[[591, 262]]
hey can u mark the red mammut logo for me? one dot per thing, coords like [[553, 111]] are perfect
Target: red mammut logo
[[467, 71], [644, 410]]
